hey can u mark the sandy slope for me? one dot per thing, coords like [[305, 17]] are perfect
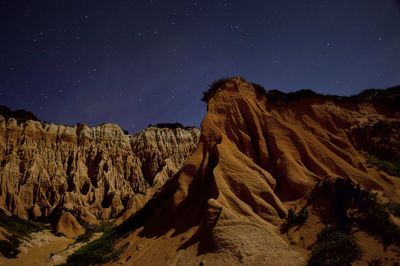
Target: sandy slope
[[44, 249], [37, 250]]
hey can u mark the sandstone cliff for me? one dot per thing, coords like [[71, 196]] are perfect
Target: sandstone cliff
[[97, 172], [68, 226], [259, 154]]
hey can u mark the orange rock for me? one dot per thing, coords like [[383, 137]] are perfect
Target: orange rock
[[68, 225], [256, 154], [95, 171]]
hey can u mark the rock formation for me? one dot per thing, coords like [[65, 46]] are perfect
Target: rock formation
[[98, 172], [265, 161], [68, 226], [259, 154], [163, 151]]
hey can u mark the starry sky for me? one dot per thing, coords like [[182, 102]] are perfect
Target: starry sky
[[141, 62]]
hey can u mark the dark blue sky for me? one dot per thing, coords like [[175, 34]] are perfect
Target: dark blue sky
[[141, 62]]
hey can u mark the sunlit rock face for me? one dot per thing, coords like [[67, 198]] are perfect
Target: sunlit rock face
[[163, 151], [99, 172], [260, 154]]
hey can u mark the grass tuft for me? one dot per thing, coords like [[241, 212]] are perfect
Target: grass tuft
[[392, 168], [97, 252]]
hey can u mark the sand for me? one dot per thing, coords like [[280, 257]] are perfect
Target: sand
[[44, 249]]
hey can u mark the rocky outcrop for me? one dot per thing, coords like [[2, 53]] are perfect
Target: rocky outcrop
[[98, 171], [163, 151], [68, 226], [259, 152]]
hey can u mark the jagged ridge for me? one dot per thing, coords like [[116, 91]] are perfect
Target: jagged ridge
[[100, 172]]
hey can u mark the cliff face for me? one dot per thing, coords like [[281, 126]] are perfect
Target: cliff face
[[98, 172], [258, 154], [163, 151]]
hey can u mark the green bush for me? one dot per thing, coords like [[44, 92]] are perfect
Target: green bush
[[392, 168], [294, 219], [99, 251], [90, 229], [212, 90], [85, 237], [18, 226], [370, 215], [334, 248], [393, 208], [376, 221]]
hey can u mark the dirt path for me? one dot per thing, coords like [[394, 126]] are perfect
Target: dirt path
[[44, 249]]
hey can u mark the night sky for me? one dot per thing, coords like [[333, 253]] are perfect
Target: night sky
[[141, 62]]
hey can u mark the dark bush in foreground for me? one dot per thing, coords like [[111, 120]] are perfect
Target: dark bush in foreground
[[90, 229], [294, 219], [367, 212], [392, 168], [9, 247], [334, 248], [393, 208], [97, 252]]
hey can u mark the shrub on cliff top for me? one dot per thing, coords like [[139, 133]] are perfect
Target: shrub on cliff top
[[212, 90]]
